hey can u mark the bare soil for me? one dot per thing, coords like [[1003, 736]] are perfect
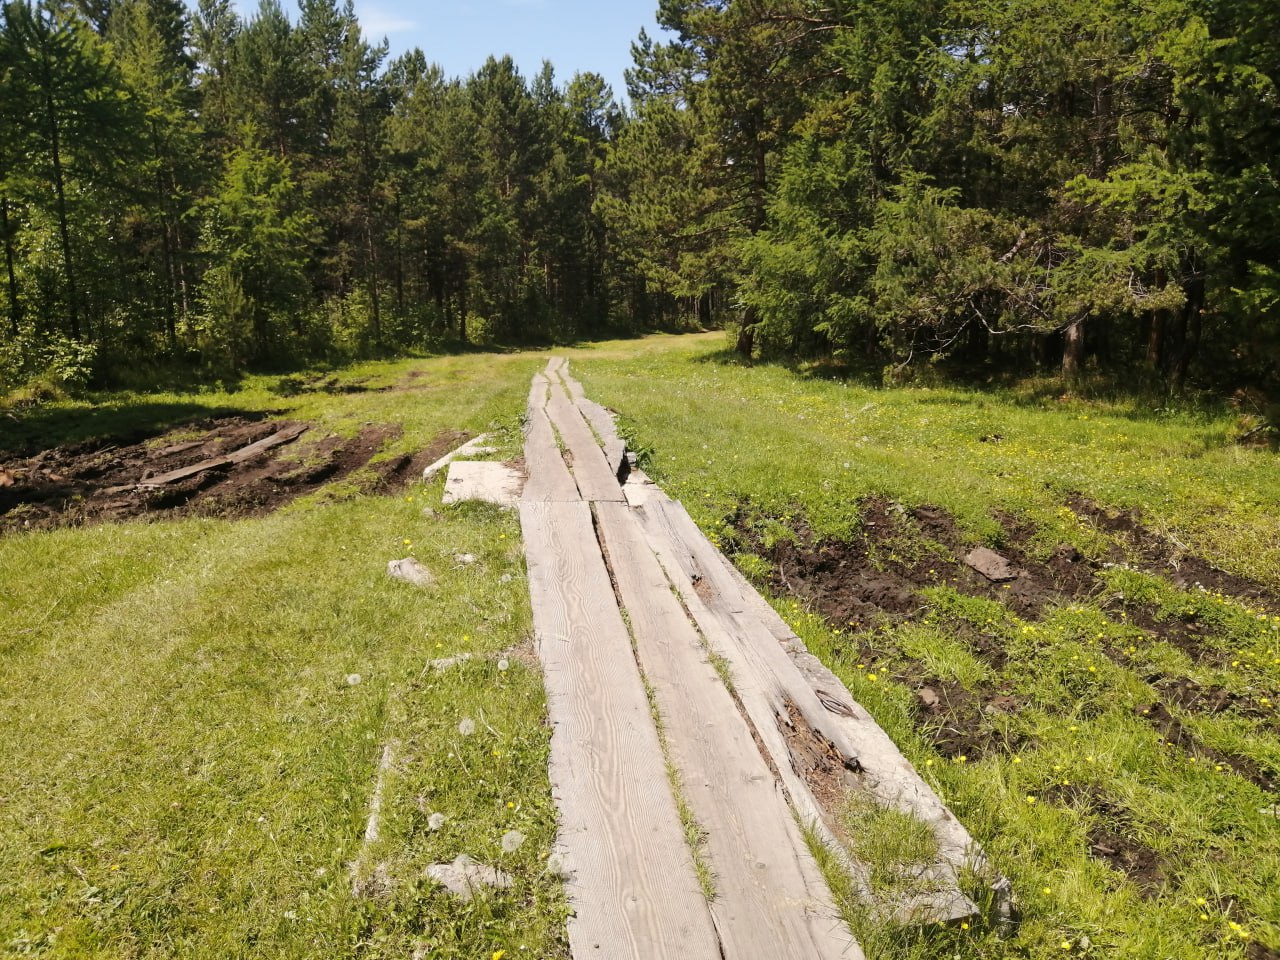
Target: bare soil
[[1111, 837], [99, 480], [874, 578]]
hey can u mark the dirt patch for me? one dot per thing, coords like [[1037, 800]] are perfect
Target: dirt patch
[[99, 481], [1177, 736], [1167, 557], [877, 573], [965, 723], [1112, 839], [1189, 695], [293, 386], [1256, 951]]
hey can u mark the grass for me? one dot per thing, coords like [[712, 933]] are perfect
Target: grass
[[190, 763], [193, 712], [789, 455]]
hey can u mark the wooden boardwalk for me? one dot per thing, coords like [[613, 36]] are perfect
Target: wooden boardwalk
[[631, 604]]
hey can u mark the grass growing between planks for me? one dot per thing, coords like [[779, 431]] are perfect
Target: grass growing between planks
[[193, 712], [1114, 744]]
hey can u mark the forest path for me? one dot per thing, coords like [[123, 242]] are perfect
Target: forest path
[[682, 725]]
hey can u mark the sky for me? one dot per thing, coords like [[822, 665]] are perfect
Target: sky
[[575, 35]]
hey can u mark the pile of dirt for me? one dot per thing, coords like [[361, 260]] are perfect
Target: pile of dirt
[[101, 480]]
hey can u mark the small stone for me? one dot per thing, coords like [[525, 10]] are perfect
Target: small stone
[[467, 727], [464, 878], [354, 679], [512, 841], [410, 571], [435, 821]]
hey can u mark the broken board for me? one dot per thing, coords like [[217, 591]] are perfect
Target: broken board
[[482, 480]]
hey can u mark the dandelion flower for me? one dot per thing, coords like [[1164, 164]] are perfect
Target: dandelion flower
[[467, 727]]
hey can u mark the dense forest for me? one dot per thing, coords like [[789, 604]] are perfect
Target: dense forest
[[1025, 185]]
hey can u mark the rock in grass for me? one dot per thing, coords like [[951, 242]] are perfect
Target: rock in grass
[[465, 877], [410, 571]]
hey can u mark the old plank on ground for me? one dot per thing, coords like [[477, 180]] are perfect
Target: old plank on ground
[[767, 903], [631, 879], [476, 446], [236, 456], [482, 480], [991, 565], [602, 422], [549, 477], [590, 469], [886, 774]]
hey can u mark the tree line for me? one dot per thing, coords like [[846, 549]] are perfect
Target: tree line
[[195, 186], [1054, 184], [1037, 184]]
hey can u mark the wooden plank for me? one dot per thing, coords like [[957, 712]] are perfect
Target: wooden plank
[[482, 480], [887, 775], [767, 902], [631, 880], [639, 489], [991, 565], [601, 420], [236, 456], [590, 470], [549, 478], [475, 447]]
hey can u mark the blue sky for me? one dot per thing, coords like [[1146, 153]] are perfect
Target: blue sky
[[575, 35]]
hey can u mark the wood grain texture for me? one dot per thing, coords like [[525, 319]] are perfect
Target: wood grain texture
[[482, 480], [887, 775], [549, 478], [236, 456], [476, 446], [631, 879], [602, 422], [769, 901], [590, 469]]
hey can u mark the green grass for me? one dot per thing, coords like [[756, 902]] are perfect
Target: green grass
[[771, 448], [188, 766], [189, 772]]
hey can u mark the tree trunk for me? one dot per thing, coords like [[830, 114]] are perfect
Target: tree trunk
[[1189, 321], [747, 338], [1073, 350], [15, 305], [64, 231]]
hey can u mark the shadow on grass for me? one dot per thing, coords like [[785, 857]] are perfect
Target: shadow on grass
[[27, 432]]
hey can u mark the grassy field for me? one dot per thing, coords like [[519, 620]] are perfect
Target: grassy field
[[1132, 824], [194, 713]]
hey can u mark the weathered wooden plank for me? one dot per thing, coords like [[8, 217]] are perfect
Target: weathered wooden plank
[[236, 456], [590, 470], [482, 480], [991, 565], [767, 904], [639, 489], [631, 880], [549, 477], [887, 775], [476, 446]]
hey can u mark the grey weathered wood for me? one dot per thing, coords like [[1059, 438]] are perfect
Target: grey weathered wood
[[236, 456], [887, 775], [549, 478], [602, 422], [590, 470], [482, 480], [770, 901], [991, 565], [475, 447], [639, 489], [631, 881]]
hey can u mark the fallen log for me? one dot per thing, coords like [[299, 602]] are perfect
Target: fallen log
[[236, 456]]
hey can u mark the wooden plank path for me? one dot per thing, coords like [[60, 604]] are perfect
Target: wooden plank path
[[626, 592]]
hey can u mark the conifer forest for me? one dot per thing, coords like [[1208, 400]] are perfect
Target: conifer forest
[[1028, 186]]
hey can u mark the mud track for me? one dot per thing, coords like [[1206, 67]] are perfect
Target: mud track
[[102, 480]]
